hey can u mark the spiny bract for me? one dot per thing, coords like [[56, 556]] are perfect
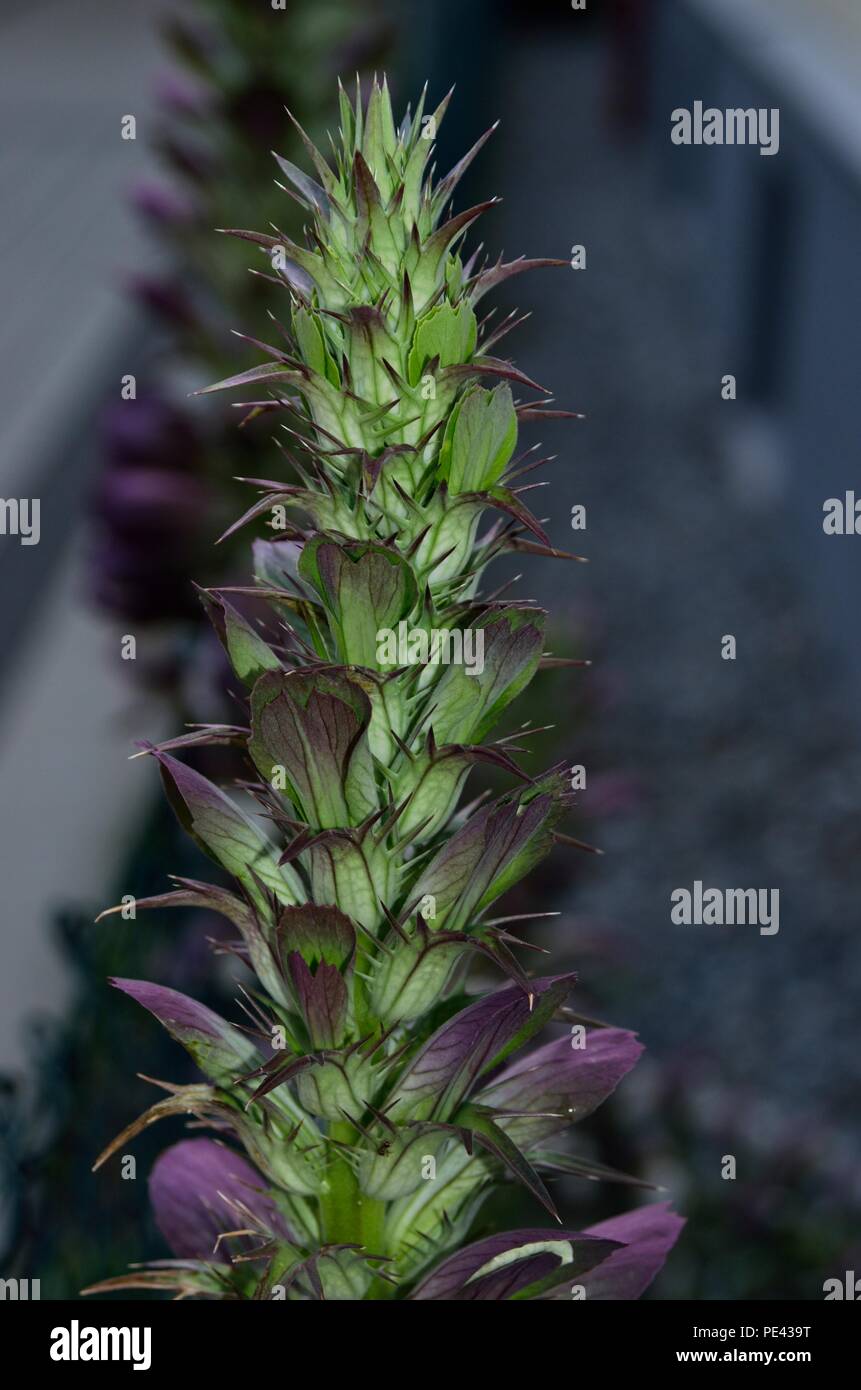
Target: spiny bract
[[378, 1103]]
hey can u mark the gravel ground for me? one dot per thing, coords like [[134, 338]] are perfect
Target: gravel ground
[[746, 768]]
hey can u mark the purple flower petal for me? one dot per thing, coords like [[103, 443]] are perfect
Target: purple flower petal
[[316, 947], [540, 1252], [487, 856], [219, 1049], [225, 832], [648, 1234], [191, 1188], [642, 1238], [312, 727], [323, 1000], [571, 1082], [476, 1039]]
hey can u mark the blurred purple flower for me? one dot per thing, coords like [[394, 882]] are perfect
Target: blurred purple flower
[[180, 95], [167, 299], [150, 431], [162, 204], [149, 506]]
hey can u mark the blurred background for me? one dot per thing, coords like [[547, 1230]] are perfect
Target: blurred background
[[704, 518]]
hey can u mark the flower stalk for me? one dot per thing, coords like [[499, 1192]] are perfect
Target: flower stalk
[[378, 1101]]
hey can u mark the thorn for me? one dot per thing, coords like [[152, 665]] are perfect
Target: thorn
[[108, 911], [560, 838]]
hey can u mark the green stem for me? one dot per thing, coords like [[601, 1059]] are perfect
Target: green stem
[[346, 1215]]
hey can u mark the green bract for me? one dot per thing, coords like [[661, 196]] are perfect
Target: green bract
[[378, 1102]]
